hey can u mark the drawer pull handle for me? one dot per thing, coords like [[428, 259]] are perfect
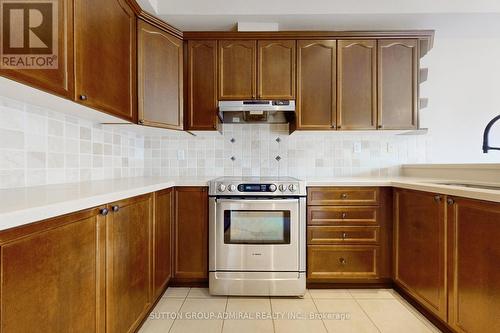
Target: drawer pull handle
[[344, 235], [342, 261], [344, 215], [343, 195]]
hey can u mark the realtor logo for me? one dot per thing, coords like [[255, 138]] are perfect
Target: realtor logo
[[28, 34]]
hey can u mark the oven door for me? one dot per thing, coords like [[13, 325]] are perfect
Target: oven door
[[256, 235]]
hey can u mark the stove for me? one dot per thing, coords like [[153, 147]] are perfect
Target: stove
[[257, 236]]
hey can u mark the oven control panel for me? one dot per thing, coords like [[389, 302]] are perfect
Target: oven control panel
[[276, 188]]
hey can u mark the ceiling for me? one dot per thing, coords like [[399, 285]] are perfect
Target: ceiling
[[446, 16]]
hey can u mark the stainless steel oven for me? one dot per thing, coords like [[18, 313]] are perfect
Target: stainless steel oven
[[257, 237]]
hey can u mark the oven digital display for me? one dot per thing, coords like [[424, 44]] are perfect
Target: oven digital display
[[253, 188]]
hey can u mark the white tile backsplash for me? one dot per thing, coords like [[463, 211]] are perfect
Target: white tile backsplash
[[39, 146]]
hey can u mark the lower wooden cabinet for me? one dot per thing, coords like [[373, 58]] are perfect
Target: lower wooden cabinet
[[51, 276], [162, 240], [349, 234], [419, 248], [191, 234], [474, 266], [128, 263]]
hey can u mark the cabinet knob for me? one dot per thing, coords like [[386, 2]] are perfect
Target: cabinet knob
[[437, 198], [380, 126], [339, 127], [343, 195], [344, 235], [344, 215], [140, 122], [104, 211], [115, 208], [334, 126], [450, 201], [83, 97], [342, 261]]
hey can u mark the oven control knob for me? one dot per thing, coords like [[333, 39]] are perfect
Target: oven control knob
[[272, 188], [222, 187], [292, 187], [282, 187], [231, 188]]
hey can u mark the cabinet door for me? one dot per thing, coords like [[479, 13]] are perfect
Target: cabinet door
[[357, 82], [316, 84], [202, 85], [191, 233], [419, 240], [162, 240], [474, 270], [237, 69], [51, 275], [105, 56], [398, 83], [160, 78], [60, 80], [128, 263], [276, 69]]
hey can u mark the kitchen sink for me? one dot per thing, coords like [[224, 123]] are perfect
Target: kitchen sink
[[478, 186]]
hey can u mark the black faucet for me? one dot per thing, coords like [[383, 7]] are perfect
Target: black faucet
[[486, 134]]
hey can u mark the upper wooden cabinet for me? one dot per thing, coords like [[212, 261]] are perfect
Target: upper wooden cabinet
[[128, 263], [201, 112], [237, 69], [105, 56], [316, 84], [398, 63], [60, 80], [474, 272], [276, 69], [420, 248], [160, 75], [357, 84]]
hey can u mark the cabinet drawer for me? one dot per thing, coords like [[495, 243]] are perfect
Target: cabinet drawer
[[317, 235], [342, 196], [324, 215], [342, 262]]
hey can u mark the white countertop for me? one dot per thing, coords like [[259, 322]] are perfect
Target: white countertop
[[21, 206]]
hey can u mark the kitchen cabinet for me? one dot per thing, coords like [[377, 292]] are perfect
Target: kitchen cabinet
[[160, 74], [105, 57], [60, 80], [162, 240], [398, 66], [237, 69], [191, 234], [316, 106], [202, 74], [349, 234], [419, 248], [474, 272], [357, 84], [276, 69], [128, 263], [51, 275]]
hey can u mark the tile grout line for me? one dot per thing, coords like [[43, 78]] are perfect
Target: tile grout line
[[183, 301], [362, 309], [316, 306], [225, 310], [272, 316]]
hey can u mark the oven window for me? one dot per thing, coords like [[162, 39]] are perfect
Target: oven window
[[256, 227]]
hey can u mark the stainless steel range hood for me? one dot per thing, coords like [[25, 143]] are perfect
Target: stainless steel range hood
[[256, 111]]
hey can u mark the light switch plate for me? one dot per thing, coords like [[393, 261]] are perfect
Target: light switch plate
[[181, 155], [357, 147]]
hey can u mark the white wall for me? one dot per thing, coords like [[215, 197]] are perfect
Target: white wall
[[464, 94]]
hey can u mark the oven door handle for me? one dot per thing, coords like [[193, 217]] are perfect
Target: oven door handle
[[250, 201]]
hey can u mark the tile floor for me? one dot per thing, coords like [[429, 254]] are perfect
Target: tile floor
[[321, 310]]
